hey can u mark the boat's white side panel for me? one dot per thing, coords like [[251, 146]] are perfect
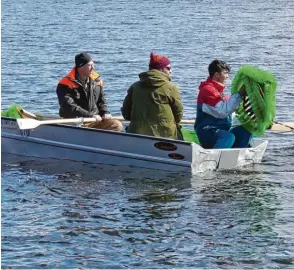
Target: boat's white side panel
[[252, 155], [204, 159], [94, 146]]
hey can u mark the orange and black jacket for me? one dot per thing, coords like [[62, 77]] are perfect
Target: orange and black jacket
[[77, 101]]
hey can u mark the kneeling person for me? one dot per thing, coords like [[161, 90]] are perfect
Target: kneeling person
[[214, 111], [80, 94]]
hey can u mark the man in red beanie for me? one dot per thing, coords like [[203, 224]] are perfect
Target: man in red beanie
[[153, 104], [80, 94], [159, 62]]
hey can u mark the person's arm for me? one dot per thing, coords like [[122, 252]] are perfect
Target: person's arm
[[102, 103], [223, 109], [126, 109], [68, 104], [217, 106], [176, 104]]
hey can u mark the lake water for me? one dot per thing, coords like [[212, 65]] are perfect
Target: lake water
[[73, 215]]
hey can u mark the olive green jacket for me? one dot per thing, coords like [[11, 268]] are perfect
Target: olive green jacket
[[153, 106]]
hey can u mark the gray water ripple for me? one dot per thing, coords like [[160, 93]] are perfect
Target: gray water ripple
[[152, 244]]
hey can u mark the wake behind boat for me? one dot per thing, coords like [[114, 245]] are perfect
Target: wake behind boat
[[68, 142]]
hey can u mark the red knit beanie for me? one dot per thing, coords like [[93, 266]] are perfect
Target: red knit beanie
[[158, 61]]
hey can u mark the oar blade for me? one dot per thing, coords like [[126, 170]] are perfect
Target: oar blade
[[282, 127], [27, 123]]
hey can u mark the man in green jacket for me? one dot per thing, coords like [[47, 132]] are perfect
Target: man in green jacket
[[153, 104]]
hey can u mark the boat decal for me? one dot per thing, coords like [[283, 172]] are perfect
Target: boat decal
[[166, 146], [176, 156]]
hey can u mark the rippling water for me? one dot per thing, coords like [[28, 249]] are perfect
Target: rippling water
[[79, 215]]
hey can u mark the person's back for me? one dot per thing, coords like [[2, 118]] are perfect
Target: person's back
[[153, 104]]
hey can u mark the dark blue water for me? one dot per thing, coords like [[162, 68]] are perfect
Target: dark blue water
[[72, 215]]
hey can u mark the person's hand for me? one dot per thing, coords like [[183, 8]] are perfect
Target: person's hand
[[106, 116], [242, 91], [98, 118]]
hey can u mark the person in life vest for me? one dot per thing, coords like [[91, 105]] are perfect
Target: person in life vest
[[80, 94], [153, 104], [213, 124]]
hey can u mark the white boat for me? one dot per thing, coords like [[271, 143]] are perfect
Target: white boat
[[68, 142]]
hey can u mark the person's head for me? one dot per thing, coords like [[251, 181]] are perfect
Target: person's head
[[219, 71], [84, 64], [160, 63]]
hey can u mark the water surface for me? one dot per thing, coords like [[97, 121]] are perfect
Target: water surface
[[73, 215]]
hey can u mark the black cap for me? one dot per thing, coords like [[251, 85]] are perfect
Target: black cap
[[82, 59]]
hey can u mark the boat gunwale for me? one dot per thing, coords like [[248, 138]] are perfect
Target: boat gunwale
[[110, 131]]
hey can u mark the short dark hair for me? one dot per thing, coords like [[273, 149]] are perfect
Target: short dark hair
[[218, 66]]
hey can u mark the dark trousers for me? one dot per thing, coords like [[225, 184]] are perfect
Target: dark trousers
[[236, 137]]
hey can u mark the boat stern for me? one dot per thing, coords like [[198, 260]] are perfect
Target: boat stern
[[225, 159]]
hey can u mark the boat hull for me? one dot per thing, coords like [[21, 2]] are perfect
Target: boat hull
[[117, 148]]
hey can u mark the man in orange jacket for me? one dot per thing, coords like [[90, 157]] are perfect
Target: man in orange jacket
[[80, 94]]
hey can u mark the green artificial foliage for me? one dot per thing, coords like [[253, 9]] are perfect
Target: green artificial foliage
[[11, 111], [261, 88], [189, 135]]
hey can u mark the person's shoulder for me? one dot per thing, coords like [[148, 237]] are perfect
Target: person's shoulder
[[136, 84], [62, 86], [95, 76], [67, 80], [206, 86], [171, 85], [63, 79], [64, 82], [171, 89]]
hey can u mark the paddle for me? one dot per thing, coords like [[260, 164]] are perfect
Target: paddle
[[287, 126], [184, 122], [27, 123], [277, 126]]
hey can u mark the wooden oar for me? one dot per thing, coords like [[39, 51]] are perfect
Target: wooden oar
[[287, 126], [184, 122], [27, 123]]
